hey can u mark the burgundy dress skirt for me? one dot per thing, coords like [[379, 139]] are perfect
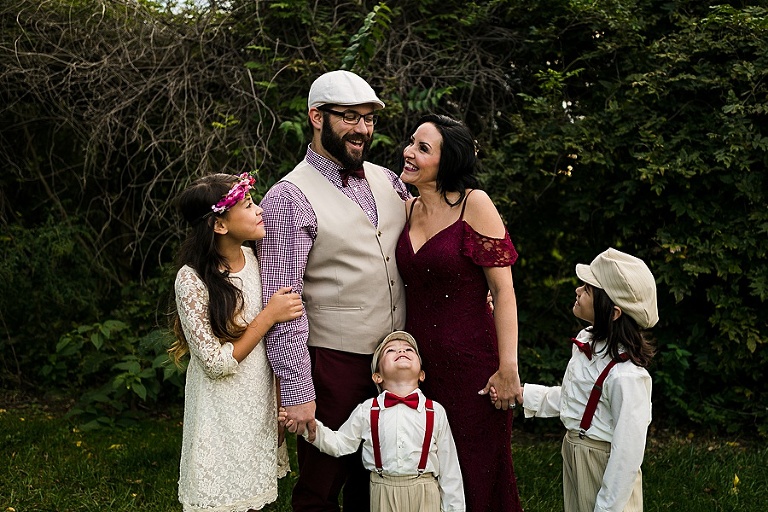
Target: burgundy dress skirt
[[448, 314]]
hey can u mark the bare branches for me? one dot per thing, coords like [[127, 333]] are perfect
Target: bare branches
[[133, 95]]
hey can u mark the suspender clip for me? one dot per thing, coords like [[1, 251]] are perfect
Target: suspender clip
[[582, 433]]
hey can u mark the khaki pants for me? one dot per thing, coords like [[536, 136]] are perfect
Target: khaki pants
[[584, 462], [404, 493]]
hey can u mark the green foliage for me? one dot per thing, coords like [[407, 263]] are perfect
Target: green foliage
[[638, 125], [116, 370], [54, 466], [648, 136], [364, 42], [47, 281]]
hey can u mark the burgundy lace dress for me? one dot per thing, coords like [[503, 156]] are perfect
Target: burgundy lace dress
[[448, 314]]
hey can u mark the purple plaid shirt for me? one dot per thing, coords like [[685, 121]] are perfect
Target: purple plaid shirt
[[291, 231]]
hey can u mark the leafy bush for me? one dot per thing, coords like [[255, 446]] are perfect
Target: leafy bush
[[118, 372], [46, 283], [636, 125]]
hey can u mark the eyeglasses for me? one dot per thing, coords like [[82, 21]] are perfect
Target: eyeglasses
[[352, 117]]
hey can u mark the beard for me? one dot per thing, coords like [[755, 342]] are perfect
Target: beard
[[336, 147]]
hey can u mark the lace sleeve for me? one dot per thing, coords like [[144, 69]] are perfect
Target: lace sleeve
[[192, 304], [486, 251]]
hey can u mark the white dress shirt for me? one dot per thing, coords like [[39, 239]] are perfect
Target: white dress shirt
[[401, 436], [621, 419]]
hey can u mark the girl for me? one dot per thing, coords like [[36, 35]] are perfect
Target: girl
[[605, 398], [229, 458]]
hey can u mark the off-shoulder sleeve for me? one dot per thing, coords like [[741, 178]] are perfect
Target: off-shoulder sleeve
[[192, 304], [486, 251]]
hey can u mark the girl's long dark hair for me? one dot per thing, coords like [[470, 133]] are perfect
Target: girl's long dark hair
[[198, 251], [622, 331], [458, 156]]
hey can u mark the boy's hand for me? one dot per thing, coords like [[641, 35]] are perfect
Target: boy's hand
[[285, 423], [491, 392], [311, 434], [280, 434], [282, 416]]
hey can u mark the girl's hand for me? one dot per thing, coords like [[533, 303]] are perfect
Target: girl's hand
[[284, 305]]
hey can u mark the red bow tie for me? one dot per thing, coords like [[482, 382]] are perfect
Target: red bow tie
[[584, 347], [391, 400], [346, 173]]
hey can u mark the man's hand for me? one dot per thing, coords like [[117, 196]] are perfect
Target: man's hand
[[300, 418]]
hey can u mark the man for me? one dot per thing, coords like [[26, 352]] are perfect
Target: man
[[332, 227]]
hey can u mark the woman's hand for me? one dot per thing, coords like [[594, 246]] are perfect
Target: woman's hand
[[504, 389]]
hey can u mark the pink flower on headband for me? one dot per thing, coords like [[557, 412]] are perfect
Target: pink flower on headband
[[235, 194]]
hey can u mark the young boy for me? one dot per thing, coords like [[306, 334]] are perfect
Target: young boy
[[407, 443], [605, 397]]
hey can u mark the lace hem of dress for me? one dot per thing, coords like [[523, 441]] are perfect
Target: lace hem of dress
[[254, 503], [486, 251]]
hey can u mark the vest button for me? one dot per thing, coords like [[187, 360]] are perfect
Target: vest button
[[392, 282], [387, 258], [378, 233]]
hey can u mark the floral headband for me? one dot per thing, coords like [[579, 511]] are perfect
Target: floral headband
[[235, 194]]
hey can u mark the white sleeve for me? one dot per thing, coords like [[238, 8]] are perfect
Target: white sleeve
[[630, 403], [449, 479], [541, 401], [347, 439], [192, 306]]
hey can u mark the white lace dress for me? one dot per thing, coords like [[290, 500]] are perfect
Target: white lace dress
[[230, 461]]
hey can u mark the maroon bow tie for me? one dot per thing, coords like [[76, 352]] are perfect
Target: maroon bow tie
[[584, 347], [391, 400], [346, 173]]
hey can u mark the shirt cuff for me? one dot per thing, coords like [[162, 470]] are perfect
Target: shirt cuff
[[533, 394]]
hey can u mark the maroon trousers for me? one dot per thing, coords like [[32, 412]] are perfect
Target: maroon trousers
[[342, 381]]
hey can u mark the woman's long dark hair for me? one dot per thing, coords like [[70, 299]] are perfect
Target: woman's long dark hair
[[622, 331], [458, 156], [198, 251]]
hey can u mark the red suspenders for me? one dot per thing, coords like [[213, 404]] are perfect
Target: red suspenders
[[594, 397], [424, 447]]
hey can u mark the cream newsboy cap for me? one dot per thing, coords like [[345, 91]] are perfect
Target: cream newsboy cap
[[627, 281], [341, 88], [396, 335]]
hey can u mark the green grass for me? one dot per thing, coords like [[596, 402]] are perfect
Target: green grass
[[49, 465]]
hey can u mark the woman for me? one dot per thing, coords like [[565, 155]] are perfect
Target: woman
[[453, 249]]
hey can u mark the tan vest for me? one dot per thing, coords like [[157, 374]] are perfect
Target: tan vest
[[353, 293]]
